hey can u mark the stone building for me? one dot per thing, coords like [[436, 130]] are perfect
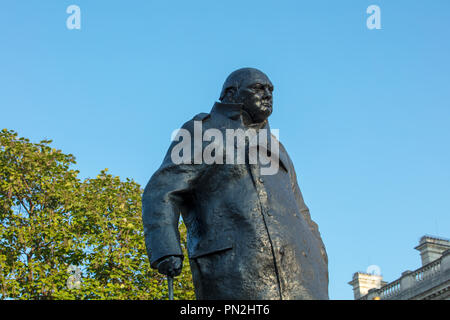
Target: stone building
[[429, 282]]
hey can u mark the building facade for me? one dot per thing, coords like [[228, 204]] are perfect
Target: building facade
[[429, 282]]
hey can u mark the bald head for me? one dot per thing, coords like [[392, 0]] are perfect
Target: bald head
[[253, 89], [240, 77]]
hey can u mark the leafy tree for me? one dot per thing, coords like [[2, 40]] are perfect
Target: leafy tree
[[50, 220]]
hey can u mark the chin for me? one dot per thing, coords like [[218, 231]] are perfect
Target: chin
[[263, 115], [259, 112], [266, 110]]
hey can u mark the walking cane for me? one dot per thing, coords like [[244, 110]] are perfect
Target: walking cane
[[170, 285]]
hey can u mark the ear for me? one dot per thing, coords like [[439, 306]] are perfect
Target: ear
[[230, 94]]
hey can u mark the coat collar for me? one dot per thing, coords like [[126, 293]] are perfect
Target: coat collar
[[230, 110], [235, 111]]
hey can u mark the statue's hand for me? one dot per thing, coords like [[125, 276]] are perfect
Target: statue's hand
[[171, 266]]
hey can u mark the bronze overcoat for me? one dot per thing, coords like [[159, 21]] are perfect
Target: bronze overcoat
[[250, 236]]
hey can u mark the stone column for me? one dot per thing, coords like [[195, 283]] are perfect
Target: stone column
[[445, 262], [407, 280]]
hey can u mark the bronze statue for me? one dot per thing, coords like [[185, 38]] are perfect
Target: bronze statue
[[250, 236]]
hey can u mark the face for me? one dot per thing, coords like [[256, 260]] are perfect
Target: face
[[256, 95]]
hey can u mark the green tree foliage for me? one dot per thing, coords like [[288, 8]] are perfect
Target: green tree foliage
[[50, 221]]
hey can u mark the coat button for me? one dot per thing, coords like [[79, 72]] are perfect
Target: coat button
[[261, 180]]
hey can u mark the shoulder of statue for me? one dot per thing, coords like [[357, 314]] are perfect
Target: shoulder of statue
[[189, 125], [201, 116]]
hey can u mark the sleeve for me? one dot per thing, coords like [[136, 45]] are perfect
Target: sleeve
[[165, 197], [304, 210]]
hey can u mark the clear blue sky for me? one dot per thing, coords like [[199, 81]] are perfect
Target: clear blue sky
[[364, 114]]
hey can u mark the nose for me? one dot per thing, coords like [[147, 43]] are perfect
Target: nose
[[267, 93]]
